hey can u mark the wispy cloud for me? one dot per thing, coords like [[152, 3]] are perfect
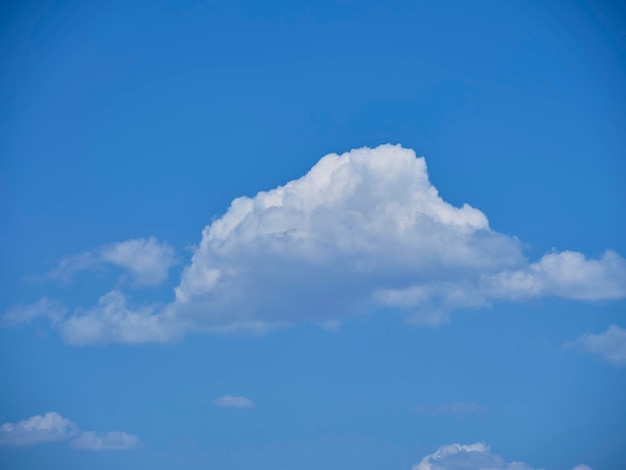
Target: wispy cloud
[[105, 441], [609, 346], [44, 308], [477, 456], [455, 408], [232, 401], [145, 261], [51, 427], [112, 319]]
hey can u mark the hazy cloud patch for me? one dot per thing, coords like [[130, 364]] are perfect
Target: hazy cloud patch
[[113, 319], [146, 262], [609, 346], [51, 310], [232, 401], [105, 441]]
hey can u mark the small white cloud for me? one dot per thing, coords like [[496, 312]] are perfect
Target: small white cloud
[[105, 441], [52, 427], [44, 308], [582, 467], [456, 408], [37, 429], [146, 261], [609, 346], [231, 401], [467, 457]]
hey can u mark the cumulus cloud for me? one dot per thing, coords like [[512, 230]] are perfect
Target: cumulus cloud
[[360, 231], [475, 456], [51, 427], [105, 441], [231, 401], [456, 408], [146, 261], [609, 346]]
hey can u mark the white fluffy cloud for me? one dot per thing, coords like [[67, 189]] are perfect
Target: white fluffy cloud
[[362, 230], [567, 274], [146, 261], [358, 232], [231, 401], [51, 427], [354, 232], [609, 346], [471, 457]]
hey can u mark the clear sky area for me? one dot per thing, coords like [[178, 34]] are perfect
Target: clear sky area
[[373, 235]]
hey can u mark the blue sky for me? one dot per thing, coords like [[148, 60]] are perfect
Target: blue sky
[[222, 247]]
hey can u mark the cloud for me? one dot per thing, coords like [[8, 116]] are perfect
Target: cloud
[[360, 232], [105, 441], [146, 261], [21, 314], [112, 319], [52, 427], [567, 274], [456, 408], [609, 346], [471, 457], [363, 230], [37, 429], [231, 401]]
